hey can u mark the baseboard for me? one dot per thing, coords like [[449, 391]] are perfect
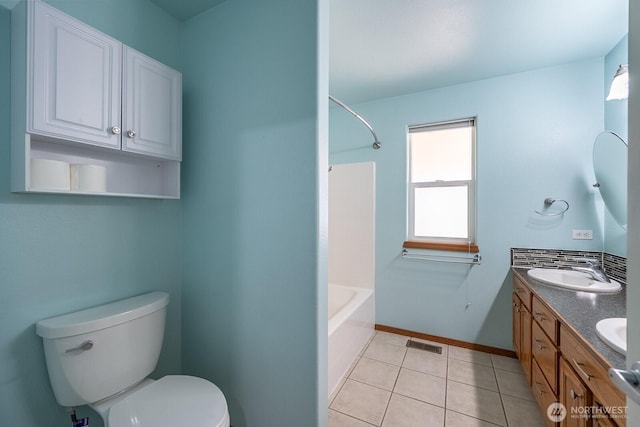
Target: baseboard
[[449, 341]]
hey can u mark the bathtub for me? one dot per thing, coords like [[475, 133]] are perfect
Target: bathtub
[[351, 323]]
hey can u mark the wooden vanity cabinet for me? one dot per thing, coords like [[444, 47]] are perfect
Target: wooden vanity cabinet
[[593, 373], [560, 366], [521, 301]]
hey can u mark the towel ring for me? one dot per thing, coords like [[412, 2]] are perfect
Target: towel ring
[[550, 201]]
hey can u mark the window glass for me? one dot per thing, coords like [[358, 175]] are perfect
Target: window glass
[[442, 182]]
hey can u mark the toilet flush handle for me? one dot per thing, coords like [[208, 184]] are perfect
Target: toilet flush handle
[[87, 345]]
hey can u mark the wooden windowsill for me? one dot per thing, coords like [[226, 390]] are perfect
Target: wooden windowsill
[[441, 246]]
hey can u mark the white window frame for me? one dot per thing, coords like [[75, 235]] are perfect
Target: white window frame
[[470, 184]]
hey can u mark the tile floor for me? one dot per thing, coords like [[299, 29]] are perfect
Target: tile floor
[[392, 385]]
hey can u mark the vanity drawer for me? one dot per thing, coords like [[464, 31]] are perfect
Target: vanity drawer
[[545, 319], [522, 291], [546, 355], [601, 419], [603, 422], [541, 390], [593, 373]]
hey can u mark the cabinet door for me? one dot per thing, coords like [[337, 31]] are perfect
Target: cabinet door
[[75, 80], [525, 342], [152, 108], [575, 396], [517, 325]]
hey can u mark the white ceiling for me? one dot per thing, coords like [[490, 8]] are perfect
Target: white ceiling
[[383, 48]]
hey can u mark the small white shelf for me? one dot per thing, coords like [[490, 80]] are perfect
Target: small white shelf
[[128, 175]]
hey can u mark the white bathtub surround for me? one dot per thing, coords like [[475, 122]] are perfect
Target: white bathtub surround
[[352, 224], [351, 308]]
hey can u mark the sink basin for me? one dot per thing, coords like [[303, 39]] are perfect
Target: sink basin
[[613, 331], [574, 280]]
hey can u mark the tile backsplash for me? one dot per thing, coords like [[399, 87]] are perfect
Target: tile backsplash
[[614, 265]]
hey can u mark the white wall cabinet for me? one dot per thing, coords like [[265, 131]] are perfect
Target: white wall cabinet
[[80, 96], [152, 107]]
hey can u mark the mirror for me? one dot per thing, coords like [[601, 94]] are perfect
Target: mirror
[[610, 167]]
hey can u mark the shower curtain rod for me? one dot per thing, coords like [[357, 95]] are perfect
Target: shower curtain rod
[[376, 143]]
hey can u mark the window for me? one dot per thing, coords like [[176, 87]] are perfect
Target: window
[[442, 165]]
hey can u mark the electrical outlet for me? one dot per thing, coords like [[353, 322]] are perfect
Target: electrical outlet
[[582, 234]]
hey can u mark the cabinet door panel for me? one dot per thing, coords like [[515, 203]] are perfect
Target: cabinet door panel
[[575, 396], [525, 349], [75, 80], [517, 324], [153, 107]]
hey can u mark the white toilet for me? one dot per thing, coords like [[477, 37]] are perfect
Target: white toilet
[[102, 356]]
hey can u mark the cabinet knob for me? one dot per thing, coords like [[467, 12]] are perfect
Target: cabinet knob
[[131, 133], [575, 395], [115, 130]]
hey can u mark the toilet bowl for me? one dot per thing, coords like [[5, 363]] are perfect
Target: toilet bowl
[[102, 357], [174, 400]]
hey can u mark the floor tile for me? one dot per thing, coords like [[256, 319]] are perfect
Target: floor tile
[[389, 338], [375, 373], [472, 374], [336, 391], [476, 402], [406, 412], [385, 352], [454, 419], [522, 413], [391, 385], [469, 355], [362, 401], [426, 362], [506, 363], [514, 384], [424, 387], [337, 419]]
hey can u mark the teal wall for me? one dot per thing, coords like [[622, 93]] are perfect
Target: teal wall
[[62, 253], [535, 131], [615, 120], [251, 245]]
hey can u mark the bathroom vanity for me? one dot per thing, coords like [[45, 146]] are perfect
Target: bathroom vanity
[[554, 336]]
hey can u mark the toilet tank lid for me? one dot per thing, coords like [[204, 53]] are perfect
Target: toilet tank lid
[[102, 316]]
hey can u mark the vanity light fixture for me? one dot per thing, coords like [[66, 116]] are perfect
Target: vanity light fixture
[[620, 84]]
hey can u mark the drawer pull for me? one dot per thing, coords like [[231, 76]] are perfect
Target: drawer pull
[[540, 316], [575, 395], [541, 391], [539, 344], [582, 371]]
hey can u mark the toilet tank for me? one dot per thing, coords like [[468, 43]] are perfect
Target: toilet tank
[[95, 353]]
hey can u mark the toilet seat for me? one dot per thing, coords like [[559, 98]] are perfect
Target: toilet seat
[[174, 400]]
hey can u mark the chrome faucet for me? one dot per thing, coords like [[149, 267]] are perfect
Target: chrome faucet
[[594, 268]]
